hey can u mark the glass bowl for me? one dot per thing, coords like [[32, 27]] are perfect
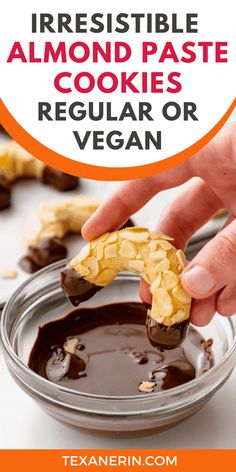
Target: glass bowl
[[40, 300]]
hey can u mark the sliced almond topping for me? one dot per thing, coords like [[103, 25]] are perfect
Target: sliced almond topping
[[110, 251], [93, 266], [138, 229], [112, 238], [100, 250], [169, 280], [153, 245], [181, 258], [83, 270], [153, 235], [145, 253], [136, 237], [127, 249], [158, 255], [181, 295], [147, 386], [162, 304], [136, 265], [58, 219], [156, 316], [179, 316], [83, 254], [161, 235], [164, 244], [156, 283], [106, 277], [101, 238], [146, 277], [161, 266]]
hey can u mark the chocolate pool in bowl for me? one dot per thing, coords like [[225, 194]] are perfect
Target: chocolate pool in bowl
[[41, 301], [104, 350]]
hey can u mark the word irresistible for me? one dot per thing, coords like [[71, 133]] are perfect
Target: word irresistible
[[109, 23]]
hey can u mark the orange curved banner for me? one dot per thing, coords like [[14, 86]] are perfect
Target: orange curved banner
[[52, 158]]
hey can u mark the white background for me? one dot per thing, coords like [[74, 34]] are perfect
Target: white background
[[211, 86]]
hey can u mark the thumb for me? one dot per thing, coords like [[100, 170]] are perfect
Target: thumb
[[214, 266]]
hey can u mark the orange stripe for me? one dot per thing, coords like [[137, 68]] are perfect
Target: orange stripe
[[80, 169], [52, 461]]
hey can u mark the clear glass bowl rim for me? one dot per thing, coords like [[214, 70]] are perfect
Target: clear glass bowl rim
[[175, 390]]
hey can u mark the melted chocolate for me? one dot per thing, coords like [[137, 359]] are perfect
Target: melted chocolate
[[46, 252], [105, 350], [5, 193], [59, 180], [76, 288], [166, 337]]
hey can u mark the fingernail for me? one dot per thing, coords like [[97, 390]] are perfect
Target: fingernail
[[198, 280]]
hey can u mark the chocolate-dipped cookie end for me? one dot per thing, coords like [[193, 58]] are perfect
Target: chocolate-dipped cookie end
[[166, 337], [44, 253], [75, 287], [59, 180], [5, 193]]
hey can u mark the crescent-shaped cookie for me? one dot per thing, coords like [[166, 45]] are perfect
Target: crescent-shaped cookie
[[147, 253], [16, 163]]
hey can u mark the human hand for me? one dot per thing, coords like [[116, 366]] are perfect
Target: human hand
[[210, 278]]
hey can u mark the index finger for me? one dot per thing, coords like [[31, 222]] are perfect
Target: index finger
[[130, 198], [206, 163]]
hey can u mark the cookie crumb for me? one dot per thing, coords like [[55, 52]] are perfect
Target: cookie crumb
[[8, 274], [146, 386], [70, 345]]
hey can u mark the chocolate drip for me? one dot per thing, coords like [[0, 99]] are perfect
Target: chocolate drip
[[40, 255], [166, 337], [76, 288], [59, 180], [5, 193], [104, 350]]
